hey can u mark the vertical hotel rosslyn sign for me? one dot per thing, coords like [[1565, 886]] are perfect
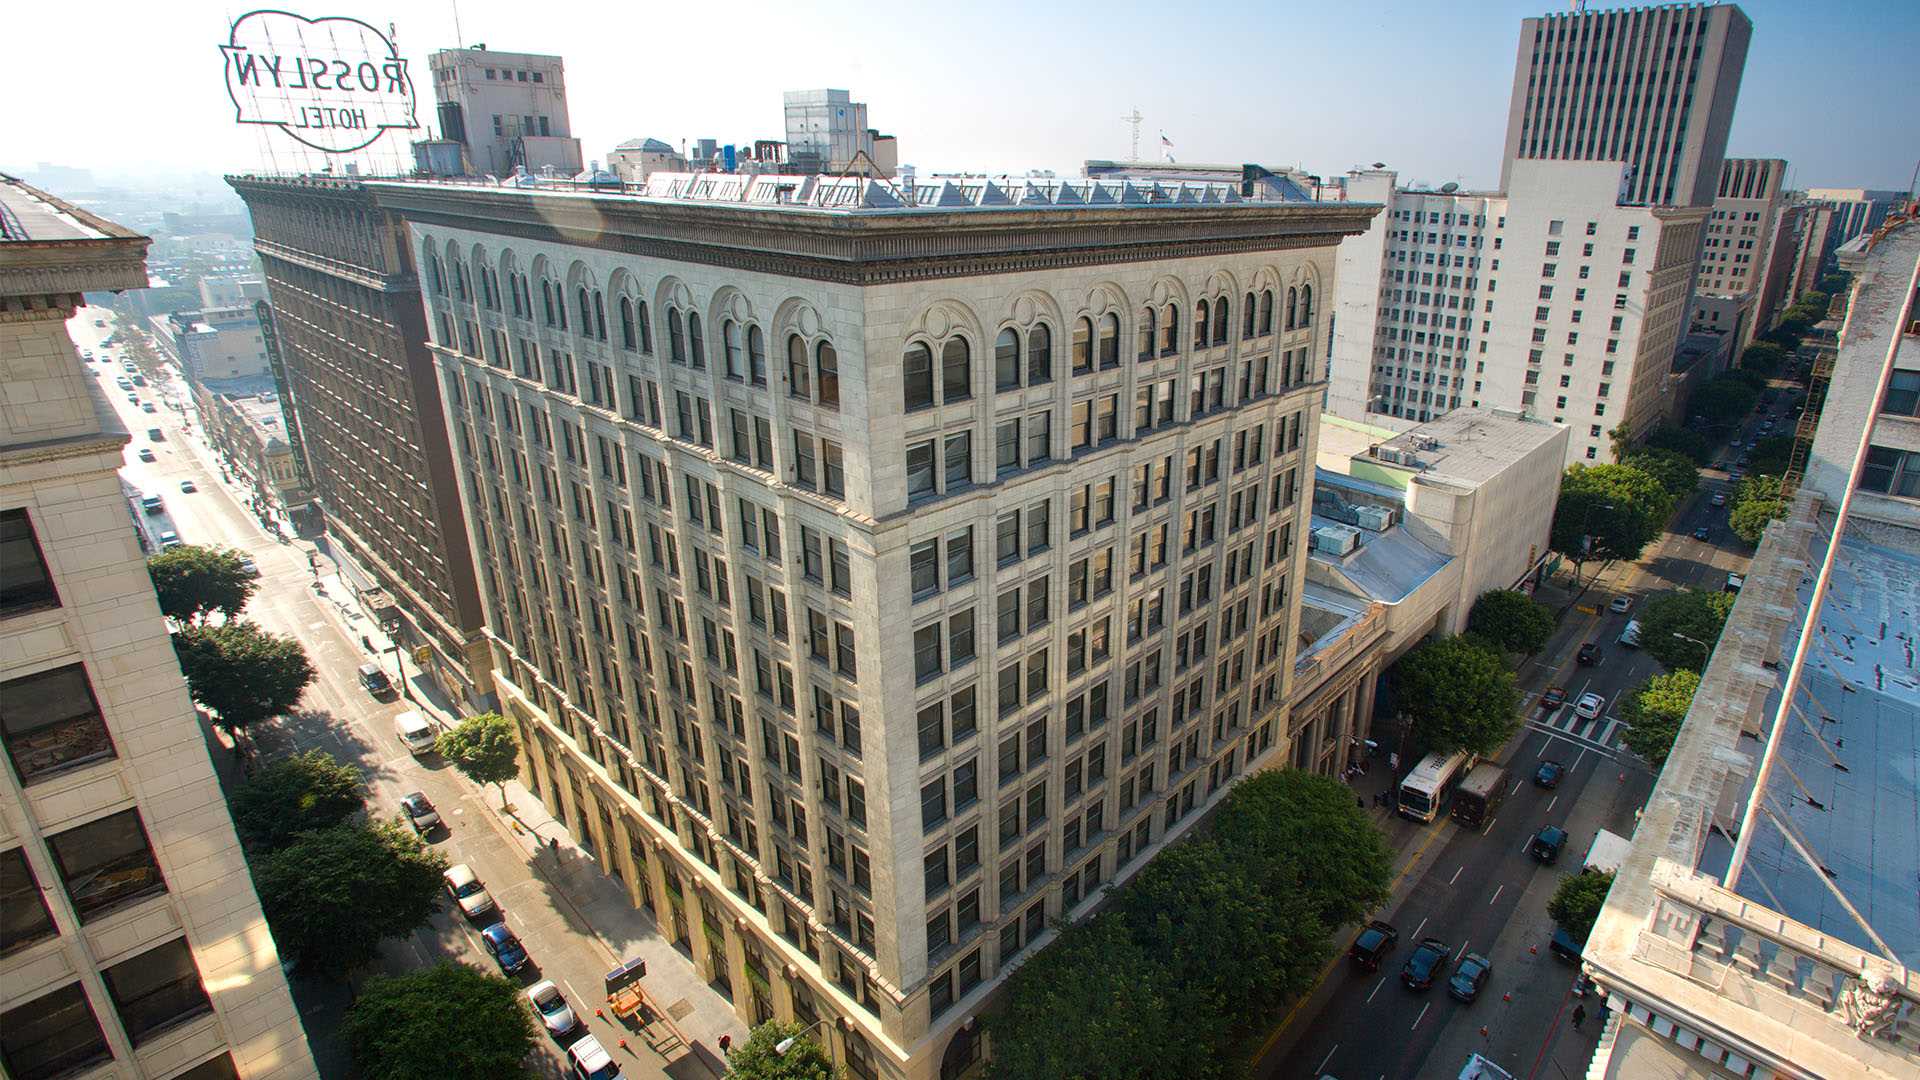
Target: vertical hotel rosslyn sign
[[335, 84]]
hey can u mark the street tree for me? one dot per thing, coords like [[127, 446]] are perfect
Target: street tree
[[241, 673], [1757, 503], [1608, 512], [193, 582], [486, 748], [1301, 833], [1765, 357], [1686, 442], [1724, 400], [332, 896], [1654, 713], [1577, 902], [450, 1019], [297, 794], [1511, 620], [1771, 455], [1676, 472], [1459, 693], [759, 1058], [1674, 624]]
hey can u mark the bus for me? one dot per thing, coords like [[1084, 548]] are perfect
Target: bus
[[1479, 796], [1429, 787]]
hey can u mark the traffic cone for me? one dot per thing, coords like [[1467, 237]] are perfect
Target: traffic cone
[[1483, 1031], [1507, 997], [600, 1015], [1533, 950]]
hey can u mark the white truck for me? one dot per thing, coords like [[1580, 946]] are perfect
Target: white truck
[[1606, 854]]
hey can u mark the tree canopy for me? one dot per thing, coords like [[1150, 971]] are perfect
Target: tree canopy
[[1676, 472], [1724, 400], [1765, 357], [1686, 442], [241, 673], [1512, 620], [1302, 833], [193, 582], [1771, 455], [757, 1058], [1621, 507], [1755, 503], [1697, 614], [332, 896], [1654, 713], [485, 747], [296, 794], [1460, 695], [447, 1020], [1578, 900]]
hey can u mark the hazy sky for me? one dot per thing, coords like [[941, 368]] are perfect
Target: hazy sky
[[125, 85]]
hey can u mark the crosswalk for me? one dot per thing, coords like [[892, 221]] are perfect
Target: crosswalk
[[1600, 735]]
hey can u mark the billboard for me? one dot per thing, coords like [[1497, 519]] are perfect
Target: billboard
[[334, 84]]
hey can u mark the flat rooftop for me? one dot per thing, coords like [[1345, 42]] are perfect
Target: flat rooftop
[[1387, 565], [1467, 447], [28, 214]]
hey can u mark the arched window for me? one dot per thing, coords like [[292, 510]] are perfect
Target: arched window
[[599, 315], [586, 313], [730, 344], [1220, 321], [799, 382], [1200, 324], [916, 375], [1006, 360], [1110, 340], [956, 371], [1266, 311], [756, 356], [560, 304], [696, 343], [1082, 346], [546, 299], [1306, 305], [1293, 307], [1248, 330], [827, 374], [646, 327], [1170, 330], [676, 336], [434, 277], [1149, 329], [627, 335], [1039, 354]]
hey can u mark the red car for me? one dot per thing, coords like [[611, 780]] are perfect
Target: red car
[[1555, 697]]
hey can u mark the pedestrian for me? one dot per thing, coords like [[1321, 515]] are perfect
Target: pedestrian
[[726, 1043], [1359, 802], [1579, 1016], [553, 845]]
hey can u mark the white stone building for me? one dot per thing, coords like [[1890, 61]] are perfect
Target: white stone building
[[872, 582], [132, 944], [1731, 288]]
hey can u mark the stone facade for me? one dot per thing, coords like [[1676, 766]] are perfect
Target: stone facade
[[859, 686]]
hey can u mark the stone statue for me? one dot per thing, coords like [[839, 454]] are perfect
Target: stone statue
[[1871, 1003]]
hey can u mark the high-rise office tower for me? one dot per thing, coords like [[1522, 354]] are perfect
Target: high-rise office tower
[[367, 405], [131, 941], [1653, 87], [1737, 255], [872, 583]]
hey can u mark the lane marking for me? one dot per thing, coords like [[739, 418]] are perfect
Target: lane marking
[[1423, 1014], [1456, 874], [1517, 783], [1322, 1070], [1461, 953], [1576, 761], [1376, 989], [1495, 896], [1550, 803], [1417, 929]]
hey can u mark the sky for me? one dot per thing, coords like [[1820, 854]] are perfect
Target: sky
[[136, 86]]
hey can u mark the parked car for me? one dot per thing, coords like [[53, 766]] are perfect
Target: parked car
[[419, 812], [505, 949], [1470, 977], [1589, 706], [1547, 843], [465, 888], [146, 453], [248, 567], [1719, 498], [1428, 959], [1549, 773], [169, 540], [188, 487], [1621, 605], [1564, 946], [588, 1060], [147, 406], [152, 504], [1375, 941], [552, 1008], [1555, 697], [1589, 654], [1703, 533]]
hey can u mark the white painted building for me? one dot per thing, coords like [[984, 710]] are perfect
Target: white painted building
[[509, 109]]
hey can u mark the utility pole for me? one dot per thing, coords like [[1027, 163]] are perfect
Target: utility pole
[[1134, 119]]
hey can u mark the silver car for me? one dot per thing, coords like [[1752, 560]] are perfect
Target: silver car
[[465, 888]]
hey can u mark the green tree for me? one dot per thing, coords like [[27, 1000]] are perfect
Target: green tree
[[1619, 440], [332, 896], [1095, 1005], [241, 673], [1675, 471], [193, 582], [1621, 508], [486, 748], [1757, 502], [1577, 902], [1654, 712], [447, 1020], [1460, 694], [1724, 401], [1835, 284], [296, 794], [1674, 623], [1686, 442], [760, 1059], [1765, 357], [1301, 832], [1511, 620], [1771, 455]]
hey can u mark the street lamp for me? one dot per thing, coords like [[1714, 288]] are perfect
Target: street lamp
[[391, 627], [1695, 640], [790, 1041]]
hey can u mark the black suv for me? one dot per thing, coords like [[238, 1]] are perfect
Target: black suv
[[1376, 940], [1427, 961], [1589, 654]]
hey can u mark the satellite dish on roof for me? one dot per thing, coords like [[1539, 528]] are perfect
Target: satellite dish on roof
[[1449, 187]]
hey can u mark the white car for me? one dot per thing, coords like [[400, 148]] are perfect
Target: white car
[[555, 1014], [588, 1060], [1719, 498], [465, 888], [1589, 706], [1621, 605]]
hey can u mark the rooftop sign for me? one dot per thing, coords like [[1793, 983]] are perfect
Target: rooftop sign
[[335, 84]]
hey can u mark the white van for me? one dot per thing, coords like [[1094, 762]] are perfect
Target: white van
[[415, 731], [1630, 636]]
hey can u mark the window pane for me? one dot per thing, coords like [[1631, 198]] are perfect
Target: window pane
[[959, 460], [52, 1035], [25, 583], [917, 372], [51, 722], [956, 379], [24, 918], [920, 470], [157, 989], [1006, 360], [105, 863]]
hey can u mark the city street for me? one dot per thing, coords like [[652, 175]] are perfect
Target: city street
[[1480, 890], [574, 921]]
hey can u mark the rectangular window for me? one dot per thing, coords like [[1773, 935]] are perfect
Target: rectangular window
[[24, 918], [106, 863], [157, 990], [51, 723], [53, 1035], [25, 582]]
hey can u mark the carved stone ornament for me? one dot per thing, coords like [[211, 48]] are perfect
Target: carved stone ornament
[[1871, 1003]]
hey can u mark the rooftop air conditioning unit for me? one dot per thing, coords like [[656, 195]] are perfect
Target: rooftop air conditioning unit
[[1335, 539], [1376, 518], [1387, 454]]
